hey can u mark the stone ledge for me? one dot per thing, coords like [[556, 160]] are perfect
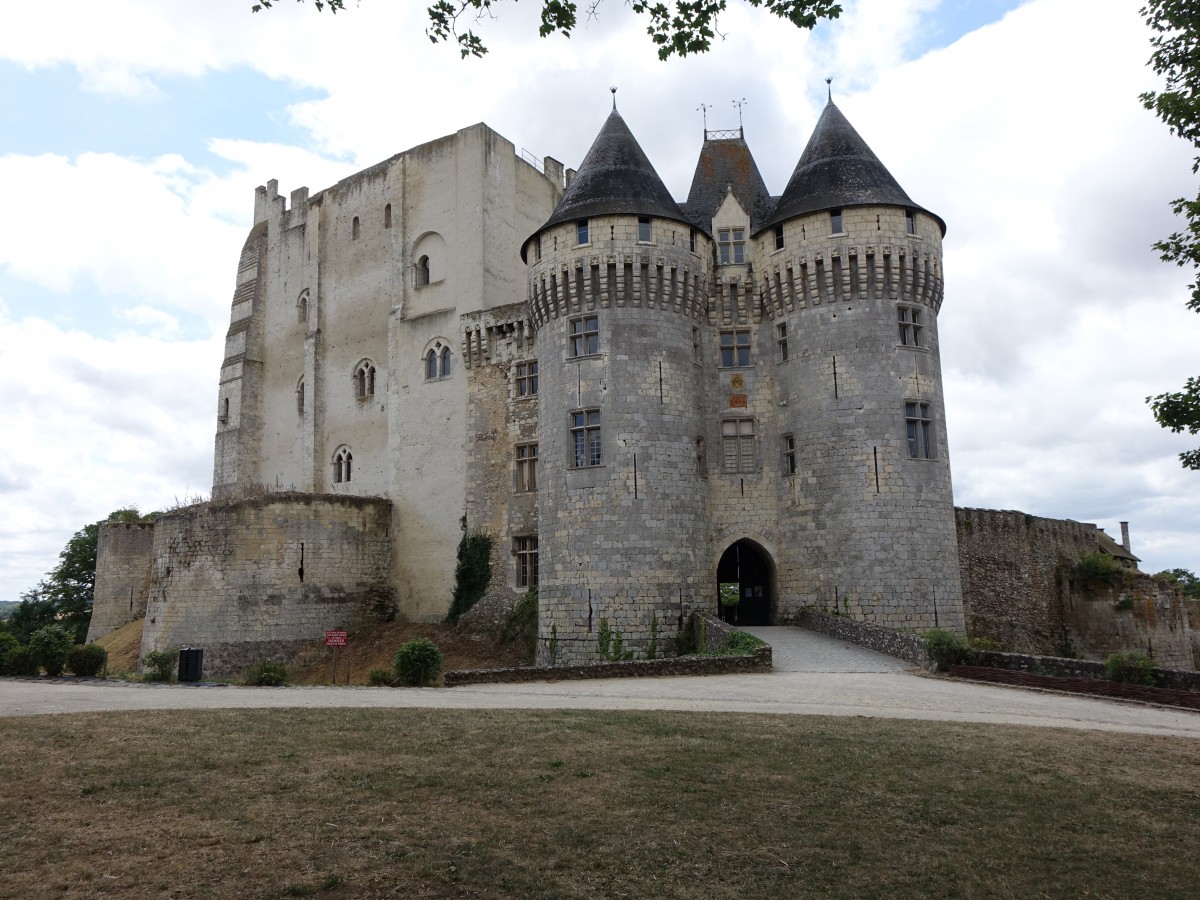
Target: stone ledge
[[649, 668]]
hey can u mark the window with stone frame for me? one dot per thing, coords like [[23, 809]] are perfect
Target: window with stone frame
[[731, 245], [781, 340], [735, 348], [644, 229], [788, 442], [909, 322], [585, 438], [437, 362], [581, 232], [737, 446], [300, 396], [585, 335], [910, 222], [697, 352], [836, 222], [342, 461], [525, 548], [779, 237], [527, 379], [444, 363], [364, 380], [525, 471], [421, 272], [918, 430]]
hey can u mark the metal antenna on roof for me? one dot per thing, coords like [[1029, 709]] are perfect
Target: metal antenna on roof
[[704, 108], [614, 93], [829, 88], [739, 104]]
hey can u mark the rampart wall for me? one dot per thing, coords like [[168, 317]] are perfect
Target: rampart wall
[[124, 555]]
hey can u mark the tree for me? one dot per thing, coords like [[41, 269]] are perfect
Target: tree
[[1185, 578], [1176, 43], [678, 28]]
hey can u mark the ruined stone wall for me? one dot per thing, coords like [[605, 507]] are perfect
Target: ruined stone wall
[[258, 578], [1193, 614], [124, 555], [1138, 615]]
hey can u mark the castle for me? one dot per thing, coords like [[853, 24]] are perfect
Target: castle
[[730, 404]]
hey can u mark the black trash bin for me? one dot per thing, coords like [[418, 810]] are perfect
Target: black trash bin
[[191, 663]]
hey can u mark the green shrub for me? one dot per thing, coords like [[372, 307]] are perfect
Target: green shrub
[[472, 573], [19, 662], [381, 678], [1124, 603], [742, 643], [1096, 570], [1130, 668], [521, 623], [418, 662], [87, 659], [982, 643], [611, 644], [946, 649], [8, 643], [159, 665], [267, 673], [50, 646]]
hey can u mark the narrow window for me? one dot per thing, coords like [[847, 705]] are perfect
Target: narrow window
[[779, 237], [444, 371], [302, 308], [527, 379], [644, 229], [300, 396], [526, 550], [387, 216], [585, 438], [731, 244], [525, 475], [692, 239], [697, 356], [364, 380], [918, 430], [585, 336], [537, 247], [342, 461], [423, 271], [735, 349], [701, 458], [910, 222], [737, 445], [223, 411], [581, 231], [789, 455], [354, 229], [835, 221], [908, 320], [781, 340], [431, 365]]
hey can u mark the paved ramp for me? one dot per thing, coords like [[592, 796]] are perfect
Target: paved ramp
[[801, 650]]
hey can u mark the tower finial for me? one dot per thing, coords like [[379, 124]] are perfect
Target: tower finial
[[739, 104], [704, 108], [614, 93], [829, 89]]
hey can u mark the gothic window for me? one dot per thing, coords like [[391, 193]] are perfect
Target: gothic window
[[789, 454], [431, 365], [354, 229], [437, 362], [302, 307], [423, 271], [779, 237], [581, 231], [527, 379], [444, 368], [835, 222], [387, 216], [585, 336], [735, 348], [525, 474], [526, 550], [585, 438], [781, 341], [364, 380], [908, 319], [300, 396], [342, 460], [644, 229], [731, 243], [737, 445], [918, 430]]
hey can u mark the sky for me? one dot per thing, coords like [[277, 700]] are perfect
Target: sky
[[133, 134]]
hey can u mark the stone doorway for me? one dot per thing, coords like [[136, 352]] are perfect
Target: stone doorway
[[747, 566]]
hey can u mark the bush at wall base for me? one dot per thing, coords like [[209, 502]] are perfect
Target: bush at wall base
[[50, 646], [87, 660], [418, 662], [1131, 668], [946, 649], [159, 665], [267, 673]]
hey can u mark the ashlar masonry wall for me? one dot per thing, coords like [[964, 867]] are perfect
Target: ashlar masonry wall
[[124, 556], [257, 578]]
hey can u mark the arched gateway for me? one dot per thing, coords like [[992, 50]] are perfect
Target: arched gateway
[[748, 568]]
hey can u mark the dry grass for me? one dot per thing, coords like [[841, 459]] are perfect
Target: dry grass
[[421, 803], [123, 646]]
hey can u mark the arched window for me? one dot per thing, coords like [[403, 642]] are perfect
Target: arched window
[[445, 370], [387, 216], [342, 461], [300, 396], [423, 271], [302, 307], [364, 379], [437, 361], [431, 365], [354, 229]]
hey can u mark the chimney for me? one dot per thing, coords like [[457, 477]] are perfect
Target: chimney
[[1125, 536]]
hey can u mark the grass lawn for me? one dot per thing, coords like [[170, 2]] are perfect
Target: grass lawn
[[447, 804]]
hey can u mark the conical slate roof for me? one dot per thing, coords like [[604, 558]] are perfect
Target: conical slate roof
[[838, 169], [615, 177], [726, 163]]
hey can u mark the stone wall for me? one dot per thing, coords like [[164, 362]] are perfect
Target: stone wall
[[1193, 616], [908, 647], [258, 578], [124, 555]]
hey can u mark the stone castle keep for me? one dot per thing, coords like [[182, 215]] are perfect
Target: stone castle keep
[[639, 399]]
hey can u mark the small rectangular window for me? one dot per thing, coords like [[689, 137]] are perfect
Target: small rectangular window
[[525, 548], [644, 229], [537, 248], [585, 336], [737, 445], [581, 231], [781, 340], [692, 239], [835, 221], [789, 455], [527, 379], [918, 430], [731, 244], [697, 356], [735, 349], [908, 320], [910, 222], [585, 438], [779, 237], [525, 473]]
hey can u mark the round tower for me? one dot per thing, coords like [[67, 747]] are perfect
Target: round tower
[[850, 270], [617, 289]]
